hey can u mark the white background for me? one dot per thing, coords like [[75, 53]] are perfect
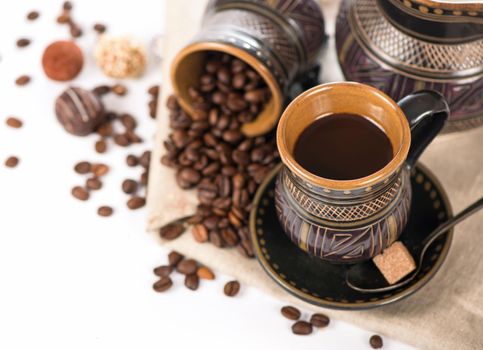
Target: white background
[[72, 280]]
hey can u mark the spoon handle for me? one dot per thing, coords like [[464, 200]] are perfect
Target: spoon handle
[[470, 210]]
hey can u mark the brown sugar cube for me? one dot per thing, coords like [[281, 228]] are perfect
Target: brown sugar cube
[[395, 262]]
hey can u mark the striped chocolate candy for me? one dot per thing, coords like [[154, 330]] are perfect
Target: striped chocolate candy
[[79, 111]]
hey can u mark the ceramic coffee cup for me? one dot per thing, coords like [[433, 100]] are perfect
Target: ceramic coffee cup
[[280, 39], [347, 221]]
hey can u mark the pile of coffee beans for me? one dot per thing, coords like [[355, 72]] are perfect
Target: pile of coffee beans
[[190, 268], [301, 327], [210, 153]]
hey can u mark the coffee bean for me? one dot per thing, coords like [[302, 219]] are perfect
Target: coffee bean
[[190, 175], [231, 288], [80, 193], [99, 169], [22, 80], [241, 158], [145, 159], [93, 183], [319, 320], [237, 66], [99, 28], [129, 186], [100, 146], [211, 222], [119, 89], [67, 5], [121, 140], [132, 160], [144, 178], [229, 236], [200, 233], [239, 80], [163, 271], [236, 103], [153, 90], [163, 284], [205, 273], [215, 238], [105, 211], [105, 129], [128, 121], [376, 341], [74, 29], [14, 122], [63, 18], [192, 281], [301, 328], [171, 231], [136, 202], [290, 312], [83, 167], [11, 162], [255, 96], [232, 136], [174, 258], [23, 42], [187, 267], [33, 15]]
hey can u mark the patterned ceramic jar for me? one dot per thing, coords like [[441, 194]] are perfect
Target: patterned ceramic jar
[[401, 46], [353, 220], [279, 39]]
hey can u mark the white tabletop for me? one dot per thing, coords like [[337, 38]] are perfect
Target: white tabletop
[[73, 280]]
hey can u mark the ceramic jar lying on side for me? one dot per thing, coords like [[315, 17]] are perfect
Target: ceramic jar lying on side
[[347, 221], [279, 39]]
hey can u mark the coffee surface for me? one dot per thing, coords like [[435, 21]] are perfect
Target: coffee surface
[[343, 147]]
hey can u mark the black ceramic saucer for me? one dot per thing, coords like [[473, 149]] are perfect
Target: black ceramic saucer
[[323, 284]]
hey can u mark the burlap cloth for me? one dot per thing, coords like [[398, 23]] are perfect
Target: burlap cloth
[[446, 314]]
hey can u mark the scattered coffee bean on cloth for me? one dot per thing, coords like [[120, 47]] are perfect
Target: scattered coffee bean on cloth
[[376, 341], [205, 273]]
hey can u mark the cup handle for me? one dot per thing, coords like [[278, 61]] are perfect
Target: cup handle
[[426, 112]]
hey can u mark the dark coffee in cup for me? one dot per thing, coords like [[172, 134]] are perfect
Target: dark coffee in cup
[[343, 147]]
